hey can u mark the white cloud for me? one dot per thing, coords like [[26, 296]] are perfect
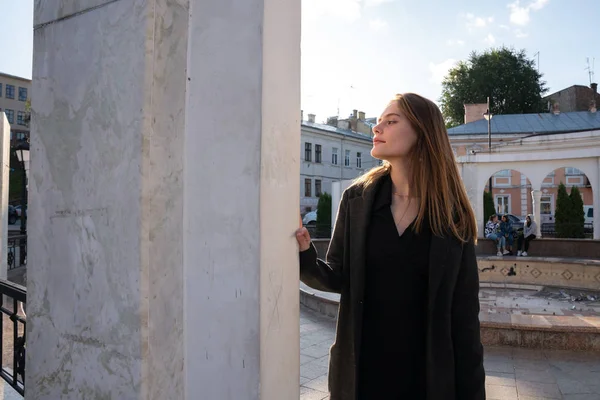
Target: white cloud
[[378, 24], [520, 34], [490, 39], [474, 21], [439, 71], [349, 10], [506, 27], [373, 3], [520, 15], [538, 4], [457, 42]]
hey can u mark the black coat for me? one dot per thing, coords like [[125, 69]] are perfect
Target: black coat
[[454, 361]]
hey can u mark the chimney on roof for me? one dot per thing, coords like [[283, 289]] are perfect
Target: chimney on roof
[[594, 87], [556, 108], [361, 115], [354, 113], [301, 115], [474, 112], [332, 121], [311, 118]]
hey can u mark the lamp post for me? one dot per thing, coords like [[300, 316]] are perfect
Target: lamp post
[[488, 117], [22, 150]]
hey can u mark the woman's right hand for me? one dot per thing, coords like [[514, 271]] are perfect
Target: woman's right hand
[[303, 238]]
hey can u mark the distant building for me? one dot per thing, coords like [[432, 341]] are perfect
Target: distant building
[[511, 189], [331, 153], [574, 98], [14, 93]]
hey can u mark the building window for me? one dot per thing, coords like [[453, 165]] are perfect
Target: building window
[[307, 151], [10, 91], [358, 160], [0, 90], [546, 205], [347, 158], [10, 115], [503, 178], [318, 191], [572, 171], [21, 118], [318, 153], [307, 187], [334, 154], [502, 204], [22, 94]]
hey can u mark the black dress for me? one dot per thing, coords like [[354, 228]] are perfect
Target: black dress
[[392, 361]]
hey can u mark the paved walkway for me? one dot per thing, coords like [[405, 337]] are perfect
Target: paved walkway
[[512, 374]]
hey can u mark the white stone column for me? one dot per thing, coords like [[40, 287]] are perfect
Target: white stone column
[[4, 180], [536, 197], [164, 198], [596, 194], [469, 175]]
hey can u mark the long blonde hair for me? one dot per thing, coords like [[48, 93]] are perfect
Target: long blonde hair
[[435, 174]]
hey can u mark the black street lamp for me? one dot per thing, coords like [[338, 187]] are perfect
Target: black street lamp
[[22, 151], [488, 117]]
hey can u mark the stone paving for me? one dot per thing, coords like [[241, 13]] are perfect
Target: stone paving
[[512, 374], [547, 301]]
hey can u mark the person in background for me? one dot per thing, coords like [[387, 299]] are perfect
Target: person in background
[[491, 232], [529, 231], [506, 231]]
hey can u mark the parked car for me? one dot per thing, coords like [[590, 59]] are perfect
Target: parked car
[[18, 210], [310, 218], [12, 215], [588, 212]]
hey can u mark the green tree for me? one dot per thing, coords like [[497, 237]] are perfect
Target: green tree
[[488, 206], [563, 215], [15, 179], [324, 216], [577, 214], [27, 117], [508, 77]]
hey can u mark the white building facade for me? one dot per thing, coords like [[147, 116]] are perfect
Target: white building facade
[[329, 154]]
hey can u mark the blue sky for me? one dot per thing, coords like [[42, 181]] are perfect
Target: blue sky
[[358, 53]]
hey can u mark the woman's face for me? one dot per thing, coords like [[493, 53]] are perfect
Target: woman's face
[[504, 218], [394, 137]]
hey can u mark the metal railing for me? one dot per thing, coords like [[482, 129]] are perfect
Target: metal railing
[[548, 229], [17, 251], [12, 305]]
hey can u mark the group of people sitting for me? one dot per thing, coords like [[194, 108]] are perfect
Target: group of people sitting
[[502, 234]]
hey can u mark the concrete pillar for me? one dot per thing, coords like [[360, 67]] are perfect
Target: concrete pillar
[[536, 197], [4, 180], [470, 178], [164, 197], [596, 194]]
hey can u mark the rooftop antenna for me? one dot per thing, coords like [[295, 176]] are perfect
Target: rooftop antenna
[[590, 69], [538, 61]]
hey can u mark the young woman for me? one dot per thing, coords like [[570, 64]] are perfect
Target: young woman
[[529, 231], [491, 232], [402, 256], [506, 231]]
